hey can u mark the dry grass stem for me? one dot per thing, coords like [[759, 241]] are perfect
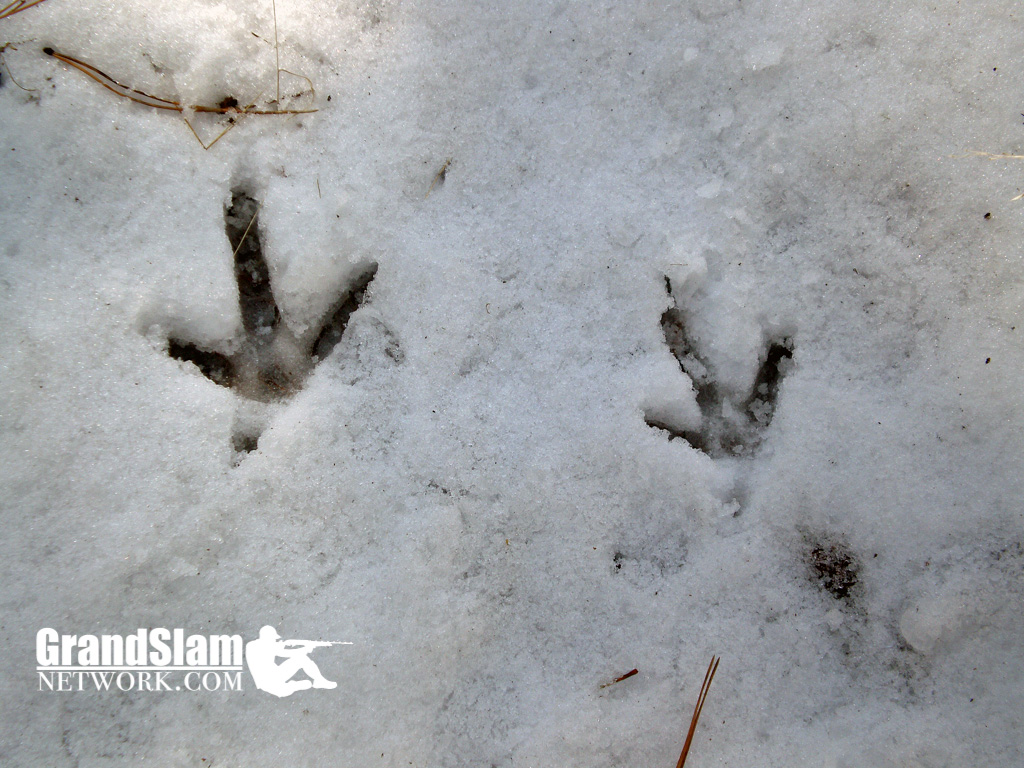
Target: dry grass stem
[[245, 234], [277, 53], [439, 177], [705, 687], [993, 155], [7, 69]]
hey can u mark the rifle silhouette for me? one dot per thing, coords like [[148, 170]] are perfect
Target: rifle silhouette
[[315, 643]]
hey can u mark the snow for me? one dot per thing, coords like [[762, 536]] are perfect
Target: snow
[[547, 449]]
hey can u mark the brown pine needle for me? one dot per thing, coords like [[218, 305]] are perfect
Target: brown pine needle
[[141, 97], [620, 678], [708, 677], [17, 7]]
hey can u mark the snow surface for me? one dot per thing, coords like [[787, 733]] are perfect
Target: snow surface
[[467, 487]]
